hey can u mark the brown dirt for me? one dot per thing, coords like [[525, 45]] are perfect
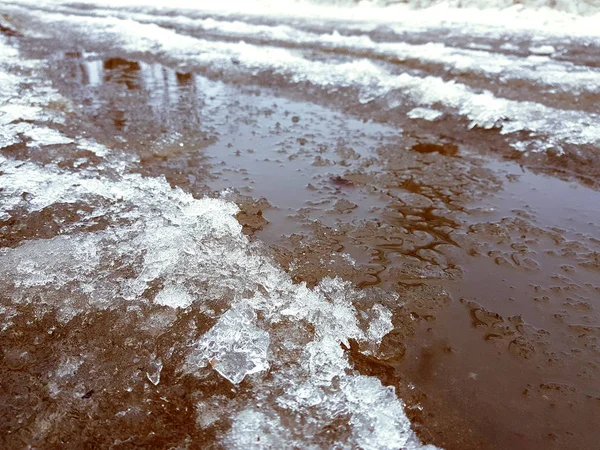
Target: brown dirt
[[495, 256]]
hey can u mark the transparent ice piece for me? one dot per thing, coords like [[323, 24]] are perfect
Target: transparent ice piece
[[235, 347], [174, 296]]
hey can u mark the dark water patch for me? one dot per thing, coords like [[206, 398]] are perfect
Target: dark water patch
[[444, 149]]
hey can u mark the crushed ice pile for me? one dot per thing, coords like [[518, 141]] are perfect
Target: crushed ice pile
[[283, 340]]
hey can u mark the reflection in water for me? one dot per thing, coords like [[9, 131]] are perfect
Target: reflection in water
[[163, 89], [159, 115], [122, 71], [184, 79]]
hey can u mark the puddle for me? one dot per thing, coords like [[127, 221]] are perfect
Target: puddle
[[508, 246]]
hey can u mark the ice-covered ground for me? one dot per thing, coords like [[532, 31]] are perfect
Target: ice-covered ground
[[135, 243], [285, 337]]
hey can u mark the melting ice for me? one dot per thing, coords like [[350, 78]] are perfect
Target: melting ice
[[165, 250], [287, 336]]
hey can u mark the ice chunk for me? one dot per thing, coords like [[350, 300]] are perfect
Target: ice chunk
[[377, 421], [46, 136], [254, 429], [380, 324], [325, 360], [542, 50], [174, 296], [235, 347], [153, 372], [424, 113], [92, 146], [13, 112]]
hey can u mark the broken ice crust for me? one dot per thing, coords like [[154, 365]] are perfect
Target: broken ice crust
[[310, 381], [289, 329], [235, 347], [158, 256], [198, 250], [287, 335]]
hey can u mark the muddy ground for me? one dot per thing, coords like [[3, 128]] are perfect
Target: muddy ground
[[495, 254]]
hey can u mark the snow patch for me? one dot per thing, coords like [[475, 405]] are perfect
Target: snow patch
[[424, 113]]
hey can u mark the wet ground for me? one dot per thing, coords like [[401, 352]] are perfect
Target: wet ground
[[487, 256]]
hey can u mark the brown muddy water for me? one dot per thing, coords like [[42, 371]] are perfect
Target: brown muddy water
[[494, 253]]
